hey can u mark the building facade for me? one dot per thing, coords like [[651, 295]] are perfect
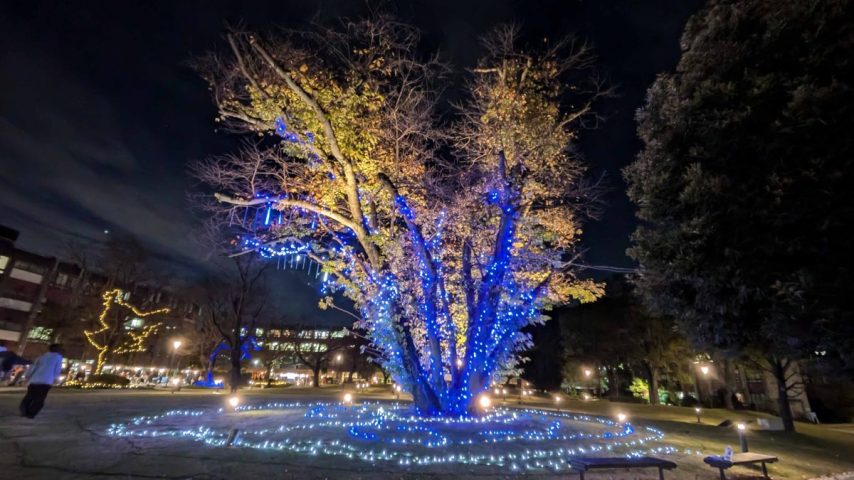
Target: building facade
[[45, 300]]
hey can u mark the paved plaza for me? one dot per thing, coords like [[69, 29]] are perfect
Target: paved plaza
[[68, 440]]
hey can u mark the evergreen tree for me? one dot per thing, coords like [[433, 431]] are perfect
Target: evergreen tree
[[743, 186]]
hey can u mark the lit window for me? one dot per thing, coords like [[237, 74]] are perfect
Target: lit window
[[3, 262], [41, 334], [61, 280]]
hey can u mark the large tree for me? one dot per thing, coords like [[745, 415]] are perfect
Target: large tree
[[449, 238], [743, 186], [234, 304]]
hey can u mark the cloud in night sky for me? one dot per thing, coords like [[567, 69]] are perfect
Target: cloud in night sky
[[68, 170], [99, 114]]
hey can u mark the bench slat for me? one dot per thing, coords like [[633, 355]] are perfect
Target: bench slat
[[589, 463], [740, 459]]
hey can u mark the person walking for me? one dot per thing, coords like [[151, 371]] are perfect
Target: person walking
[[41, 375]]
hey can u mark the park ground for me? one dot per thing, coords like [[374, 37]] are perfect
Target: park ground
[[68, 441]]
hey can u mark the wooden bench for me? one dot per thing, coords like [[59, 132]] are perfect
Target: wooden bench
[[583, 464], [747, 458]]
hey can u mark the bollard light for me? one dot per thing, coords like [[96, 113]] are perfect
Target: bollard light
[[348, 398], [698, 410], [622, 417], [234, 401], [484, 401]]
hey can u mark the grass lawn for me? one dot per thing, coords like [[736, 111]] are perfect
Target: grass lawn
[[66, 441], [813, 451]]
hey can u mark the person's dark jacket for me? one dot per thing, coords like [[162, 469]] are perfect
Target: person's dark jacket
[[8, 360]]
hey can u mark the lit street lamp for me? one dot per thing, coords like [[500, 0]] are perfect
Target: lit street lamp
[[484, 401], [587, 375], [742, 438], [176, 344]]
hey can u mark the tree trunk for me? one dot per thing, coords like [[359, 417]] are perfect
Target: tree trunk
[[209, 376], [729, 383], [316, 370], [779, 372], [354, 358], [270, 374], [613, 387], [426, 402], [235, 369], [652, 373]]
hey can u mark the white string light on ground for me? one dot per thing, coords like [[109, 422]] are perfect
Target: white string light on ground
[[517, 439]]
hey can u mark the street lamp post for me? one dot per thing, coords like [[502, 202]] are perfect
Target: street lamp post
[[587, 374], [742, 438], [176, 344]]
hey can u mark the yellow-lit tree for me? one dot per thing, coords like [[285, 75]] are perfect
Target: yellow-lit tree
[[111, 337], [447, 256]]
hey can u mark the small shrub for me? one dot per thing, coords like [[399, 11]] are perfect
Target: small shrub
[[639, 389], [106, 380]]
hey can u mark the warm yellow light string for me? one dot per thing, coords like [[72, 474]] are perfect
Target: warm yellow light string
[[110, 297]]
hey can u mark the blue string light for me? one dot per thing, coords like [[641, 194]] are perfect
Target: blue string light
[[531, 439]]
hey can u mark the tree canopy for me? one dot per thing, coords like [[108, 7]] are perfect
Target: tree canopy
[[449, 236], [743, 185]]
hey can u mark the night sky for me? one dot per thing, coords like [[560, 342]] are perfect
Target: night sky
[[100, 113]]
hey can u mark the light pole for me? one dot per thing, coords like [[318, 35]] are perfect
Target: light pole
[[176, 344], [698, 410], [587, 374], [742, 438]]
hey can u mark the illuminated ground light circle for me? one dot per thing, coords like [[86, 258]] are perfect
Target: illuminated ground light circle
[[516, 439]]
